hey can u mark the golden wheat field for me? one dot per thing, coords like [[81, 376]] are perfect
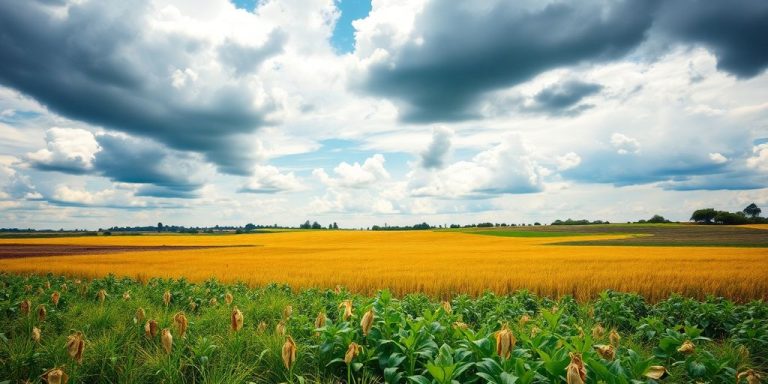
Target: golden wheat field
[[437, 263]]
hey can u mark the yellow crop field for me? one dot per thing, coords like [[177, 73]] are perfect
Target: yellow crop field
[[439, 263]]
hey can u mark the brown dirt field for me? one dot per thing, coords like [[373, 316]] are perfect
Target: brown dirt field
[[13, 251]]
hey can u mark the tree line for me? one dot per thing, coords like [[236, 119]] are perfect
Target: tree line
[[749, 215]]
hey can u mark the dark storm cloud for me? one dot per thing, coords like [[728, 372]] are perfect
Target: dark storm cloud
[[71, 168], [467, 53], [95, 65], [129, 160], [736, 31], [499, 47], [563, 97]]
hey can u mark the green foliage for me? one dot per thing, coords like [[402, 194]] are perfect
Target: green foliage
[[413, 339], [705, 215], [752, 210]]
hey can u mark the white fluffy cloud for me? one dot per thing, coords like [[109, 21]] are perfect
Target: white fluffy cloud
[[759, 160], [355, 175], [568, 161], [68, 149], [507, 167], [624, 144], [717, 158]]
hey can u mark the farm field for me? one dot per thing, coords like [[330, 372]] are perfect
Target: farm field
[[681, 235], [438, 263], [114, 330]]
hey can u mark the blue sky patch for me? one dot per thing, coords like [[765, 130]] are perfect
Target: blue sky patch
[[248, 5], [343, 38]]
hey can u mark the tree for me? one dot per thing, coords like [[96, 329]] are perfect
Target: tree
[[159, 227], [335, 226], [316, 225], [729, 218], [657, 219], [752, 210], [306, 225], [250, 227], [705, 215]]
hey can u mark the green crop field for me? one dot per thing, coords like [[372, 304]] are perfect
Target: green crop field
[[171, 331]]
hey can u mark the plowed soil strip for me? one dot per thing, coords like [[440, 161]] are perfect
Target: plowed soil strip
[[13, 251]]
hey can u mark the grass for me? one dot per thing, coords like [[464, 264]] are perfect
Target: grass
[[438, 263]]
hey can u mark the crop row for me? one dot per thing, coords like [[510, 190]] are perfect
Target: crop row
[[56, 329]]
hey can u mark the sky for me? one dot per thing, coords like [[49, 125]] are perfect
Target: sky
[[211, 112]]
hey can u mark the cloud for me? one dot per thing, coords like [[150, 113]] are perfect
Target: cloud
[[507, 168], [243, 59], [97, 63], [355, 175], [66, 196], [736, 31], [436, 154], [560, 99], [140, 161], [717, 158], [759, 161], [624, 144], [568, 161], [442, 71], [563, 98], [69, 150], [120, 158], [15, 186], [349, 201], [734, 181], [435, 71], [268, 179], [80, 197]]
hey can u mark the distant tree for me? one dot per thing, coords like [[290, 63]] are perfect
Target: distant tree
[[316, 225], [657, 219], [335, 226], [159, 227], [706, 215], [250, 227], [752, 210], [306, 225], [729, 218]]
